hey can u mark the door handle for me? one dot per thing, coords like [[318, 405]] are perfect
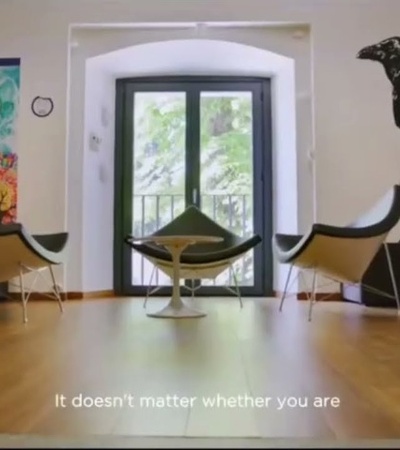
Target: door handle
[[194, 196]]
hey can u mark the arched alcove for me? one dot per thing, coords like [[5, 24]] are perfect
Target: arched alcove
[[94, 78]]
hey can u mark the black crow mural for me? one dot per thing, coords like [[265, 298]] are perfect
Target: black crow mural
[[387, 52]]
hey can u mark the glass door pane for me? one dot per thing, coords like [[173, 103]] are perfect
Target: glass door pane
[[226, 171], [159, 146]]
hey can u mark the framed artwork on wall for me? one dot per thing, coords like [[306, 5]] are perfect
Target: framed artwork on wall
[[9, 109]]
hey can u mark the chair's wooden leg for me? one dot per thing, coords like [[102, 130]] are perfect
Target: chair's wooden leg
[[393, 277], [286, 288]]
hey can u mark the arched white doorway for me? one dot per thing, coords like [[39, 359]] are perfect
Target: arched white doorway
[[92, 234]]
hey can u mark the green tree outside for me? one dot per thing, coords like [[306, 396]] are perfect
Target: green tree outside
[[226, 176]]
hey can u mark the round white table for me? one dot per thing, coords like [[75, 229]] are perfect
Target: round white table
[[176, 308]]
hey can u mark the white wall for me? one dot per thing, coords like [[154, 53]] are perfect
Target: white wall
[[357, 144], [205, 56], [98, 179]]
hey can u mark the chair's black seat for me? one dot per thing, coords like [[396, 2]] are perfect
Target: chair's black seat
[[155, 251], [194, 222], [286, 242], [374, 223], [50, 247]]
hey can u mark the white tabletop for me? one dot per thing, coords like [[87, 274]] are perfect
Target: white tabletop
[[179, 239]]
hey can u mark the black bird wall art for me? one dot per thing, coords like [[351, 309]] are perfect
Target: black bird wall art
[[387, 52]]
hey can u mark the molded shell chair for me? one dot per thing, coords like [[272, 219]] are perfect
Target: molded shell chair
[[202, 260], [21, 253], [342, 254]]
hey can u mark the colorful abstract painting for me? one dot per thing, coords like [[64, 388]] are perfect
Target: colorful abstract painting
[[9, 108]]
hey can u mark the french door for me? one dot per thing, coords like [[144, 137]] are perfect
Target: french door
[[203, 141]]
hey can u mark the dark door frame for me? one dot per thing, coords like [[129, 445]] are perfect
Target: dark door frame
[[262, 162]]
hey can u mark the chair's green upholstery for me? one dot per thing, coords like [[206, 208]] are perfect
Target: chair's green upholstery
[[194, 222]]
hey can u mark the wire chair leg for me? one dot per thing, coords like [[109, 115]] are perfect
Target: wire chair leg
[[24, 297], [286, 288], [313, 296], [149, 287], [192, 289], [56, 289], [393, 277], [237, 287]]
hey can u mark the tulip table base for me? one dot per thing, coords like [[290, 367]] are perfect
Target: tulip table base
[[175, 311], [176, 308]]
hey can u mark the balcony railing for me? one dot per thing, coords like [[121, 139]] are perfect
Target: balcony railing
[[153, 211]]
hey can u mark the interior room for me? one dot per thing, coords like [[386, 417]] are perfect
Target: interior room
[[199, 238]]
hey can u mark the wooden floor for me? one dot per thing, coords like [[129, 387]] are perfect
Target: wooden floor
[[110, 348]]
